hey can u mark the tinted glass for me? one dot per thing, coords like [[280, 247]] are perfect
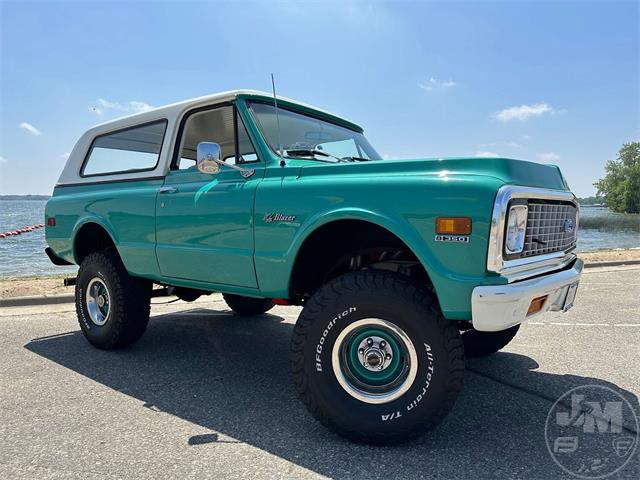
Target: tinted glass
[[215, 125], [246, 152], [299, 131], [128, 150]]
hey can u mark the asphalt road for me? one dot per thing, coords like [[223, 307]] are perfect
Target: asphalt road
[[208, 395]]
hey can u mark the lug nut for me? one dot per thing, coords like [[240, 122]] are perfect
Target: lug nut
[[388, 356], [369, 342], [361, 351], [383, 344]]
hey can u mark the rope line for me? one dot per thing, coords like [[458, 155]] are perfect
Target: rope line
[[20, 231]]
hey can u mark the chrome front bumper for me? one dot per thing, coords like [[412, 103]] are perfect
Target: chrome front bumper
[[498, 307]]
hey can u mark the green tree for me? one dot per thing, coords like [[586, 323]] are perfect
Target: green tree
[[621, 185]]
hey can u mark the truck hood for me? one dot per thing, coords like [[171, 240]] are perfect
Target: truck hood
[[507, 170]]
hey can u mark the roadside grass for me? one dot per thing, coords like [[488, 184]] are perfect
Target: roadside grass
[[612, 222]]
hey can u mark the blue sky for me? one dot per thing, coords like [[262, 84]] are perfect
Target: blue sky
[[555, 82]]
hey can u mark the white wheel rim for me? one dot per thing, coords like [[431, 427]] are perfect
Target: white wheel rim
[[358, 393]]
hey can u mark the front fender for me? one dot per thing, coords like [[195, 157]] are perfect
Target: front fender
[[279, 270], [406, 207], [401, 228]]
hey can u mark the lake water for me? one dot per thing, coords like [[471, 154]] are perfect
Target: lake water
[[601, 229], [24, 255]]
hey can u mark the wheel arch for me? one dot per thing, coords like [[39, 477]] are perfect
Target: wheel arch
[[91, 235], [400, 232]]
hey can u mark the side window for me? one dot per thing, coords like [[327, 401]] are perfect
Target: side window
[[129, 150], [215, 125], [246, 152]]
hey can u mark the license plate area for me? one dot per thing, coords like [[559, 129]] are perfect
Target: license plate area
[[571, 296]]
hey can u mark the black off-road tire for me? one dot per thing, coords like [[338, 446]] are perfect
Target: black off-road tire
[[481, 344], [129, 301], [392, 297], [247, 305]]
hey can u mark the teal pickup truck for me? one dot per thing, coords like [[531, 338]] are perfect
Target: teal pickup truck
[[402, 266]]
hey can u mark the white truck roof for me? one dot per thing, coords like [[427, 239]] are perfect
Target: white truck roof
[[172, 113]]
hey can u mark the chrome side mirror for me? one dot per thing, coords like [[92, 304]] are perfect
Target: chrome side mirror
[[208, 157], [208, 160]]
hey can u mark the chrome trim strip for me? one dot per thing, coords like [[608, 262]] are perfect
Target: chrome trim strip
[[554, 263], [520, 268]]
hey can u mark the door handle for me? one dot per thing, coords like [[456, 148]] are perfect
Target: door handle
[[167, 190]]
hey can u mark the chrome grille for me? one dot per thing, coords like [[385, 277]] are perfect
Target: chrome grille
[[547, 228]]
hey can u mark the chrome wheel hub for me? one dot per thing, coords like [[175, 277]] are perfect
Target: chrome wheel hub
[[375, 353], [98, 301]]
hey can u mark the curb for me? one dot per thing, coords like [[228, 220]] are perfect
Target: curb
[[28, 301], [58, 299], [616, 263]]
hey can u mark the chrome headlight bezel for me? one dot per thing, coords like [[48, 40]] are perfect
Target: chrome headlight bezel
[[515, 229], [518, 268]]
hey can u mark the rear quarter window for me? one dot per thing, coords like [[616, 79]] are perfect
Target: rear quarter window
[[129, 150]]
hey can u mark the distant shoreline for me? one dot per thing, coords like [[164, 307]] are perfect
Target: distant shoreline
[[25, 197]]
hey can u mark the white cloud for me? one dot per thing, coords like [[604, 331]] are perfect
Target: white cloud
[[30, 128], [3, 160], [139, 106], [434, 83], [483, 153], [134, 106], [548, 157], [524, 112]]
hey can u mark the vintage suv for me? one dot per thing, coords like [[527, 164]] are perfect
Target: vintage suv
[[401, 266]]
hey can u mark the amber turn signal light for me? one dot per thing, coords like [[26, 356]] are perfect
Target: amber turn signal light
[[536, 305], [453, 225]]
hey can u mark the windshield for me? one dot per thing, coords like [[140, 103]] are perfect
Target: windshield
[[300, 133]]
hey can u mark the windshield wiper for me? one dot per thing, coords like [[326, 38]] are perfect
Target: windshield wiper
[[356, 159], [310, 152]]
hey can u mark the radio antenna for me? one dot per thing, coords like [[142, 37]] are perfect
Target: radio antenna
[[275, 101]]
